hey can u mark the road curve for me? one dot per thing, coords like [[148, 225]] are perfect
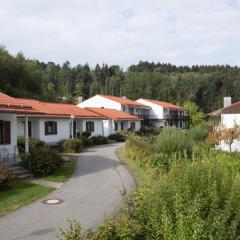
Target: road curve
[[89, 196]]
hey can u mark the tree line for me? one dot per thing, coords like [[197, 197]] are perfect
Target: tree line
[[204, 85]]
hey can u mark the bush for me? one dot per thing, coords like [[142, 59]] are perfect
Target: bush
[[5, 177], [172, 140], [43, 161], [199, 200], [139, 149], [87, 142], [118, 137], [198, 133], [86, 134], [72, 145], [33, 143], [98, 140]]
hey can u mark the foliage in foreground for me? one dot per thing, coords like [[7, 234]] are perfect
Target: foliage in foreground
[[72, 145], [5, 178], [42, 161], [197, 200]]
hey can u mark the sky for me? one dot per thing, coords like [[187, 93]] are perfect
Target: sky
[[123, 32]]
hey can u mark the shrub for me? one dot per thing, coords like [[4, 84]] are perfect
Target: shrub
[[160, 160], [5, 177], [199, 200], [87, 142], [43, 161], [86, 134], [118, 137], [33, 143], [139, 149], [98, 140], [72, 145], [198, 133], [172, 140]]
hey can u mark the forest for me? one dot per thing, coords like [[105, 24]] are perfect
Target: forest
[[202, 84]]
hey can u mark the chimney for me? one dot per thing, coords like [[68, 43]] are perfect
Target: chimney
[[80, 99], [227, 101]]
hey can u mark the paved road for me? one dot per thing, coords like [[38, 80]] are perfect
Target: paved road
[[91, 194]]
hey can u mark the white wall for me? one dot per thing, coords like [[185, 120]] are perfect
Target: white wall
[[98, 102], [98, 126], [155, 112], [229, 121], [13, 119]]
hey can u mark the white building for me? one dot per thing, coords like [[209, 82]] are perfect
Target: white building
[[163, 114], [9, 107], [117, 120], [227, 117], [118, 103], [59, 121]]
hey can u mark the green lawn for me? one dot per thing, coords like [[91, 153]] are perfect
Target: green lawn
[[137, 172], [21, 193], [63, 173]]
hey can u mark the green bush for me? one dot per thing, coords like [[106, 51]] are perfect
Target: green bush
[[5, 178], [43, 161], [87, 142], [118, 137], [72, 145], [198, 133], [33, 143], [98, 140], [197, 200], [172, 140], [139, 149], [86, 134]]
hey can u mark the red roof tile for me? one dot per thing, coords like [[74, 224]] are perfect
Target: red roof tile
[[11, 104], [124, 101], [60, 109], [114, 114], [164, 104]]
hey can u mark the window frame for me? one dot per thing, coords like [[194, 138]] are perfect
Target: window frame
[[133, 125], [53, 125], [5, 132], [90, 126], [115, 126]]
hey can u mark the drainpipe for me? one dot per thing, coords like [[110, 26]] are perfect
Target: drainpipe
[[26, 135]]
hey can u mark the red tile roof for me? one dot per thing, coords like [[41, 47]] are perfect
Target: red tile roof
[[16, 105], [114, 114], [60, 109], [164, 104], [124, 101]]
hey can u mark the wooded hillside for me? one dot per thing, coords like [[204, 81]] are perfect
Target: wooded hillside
[[204, 85]]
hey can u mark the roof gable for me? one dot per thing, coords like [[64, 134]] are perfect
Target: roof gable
[[163, 104], [114, 114]]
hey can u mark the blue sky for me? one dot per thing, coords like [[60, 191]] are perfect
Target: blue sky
[[183, 32]]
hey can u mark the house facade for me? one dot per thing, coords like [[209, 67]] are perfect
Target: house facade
[[227, 117], [59, 121], [117, 120], [9, 108], [119, 103], [163, 114]]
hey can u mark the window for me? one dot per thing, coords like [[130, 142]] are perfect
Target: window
[[5, 132], [122, 126], [50, 128], [132, 125], [29, 128], [115, 126], [90, 126]]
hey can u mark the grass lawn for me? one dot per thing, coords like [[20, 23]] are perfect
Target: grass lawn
[[63, 173], [137, 172], [21, 193]]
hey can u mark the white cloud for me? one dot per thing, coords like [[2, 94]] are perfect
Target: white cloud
[[123, 31]]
